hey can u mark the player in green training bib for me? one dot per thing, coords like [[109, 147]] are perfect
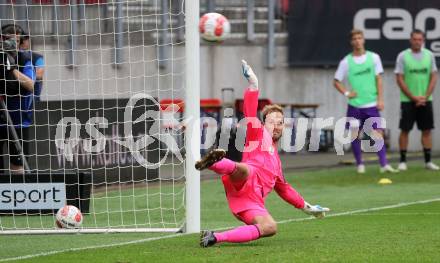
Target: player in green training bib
[[416, 74], [362, 71]]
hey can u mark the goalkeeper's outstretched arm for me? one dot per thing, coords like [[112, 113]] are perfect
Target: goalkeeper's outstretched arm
[[289, 194], [249, 74], [254, 130], [250, 97]]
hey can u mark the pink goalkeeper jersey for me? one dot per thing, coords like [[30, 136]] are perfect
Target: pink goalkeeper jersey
[[264, 157]]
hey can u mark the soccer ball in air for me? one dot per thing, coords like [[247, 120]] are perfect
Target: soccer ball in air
[[214, 27], [69, 216]]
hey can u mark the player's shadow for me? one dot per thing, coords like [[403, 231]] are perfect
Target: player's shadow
[[252, 244]]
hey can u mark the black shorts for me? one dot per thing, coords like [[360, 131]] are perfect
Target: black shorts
[[423, 115]]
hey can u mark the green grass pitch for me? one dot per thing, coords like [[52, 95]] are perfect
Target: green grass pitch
[[405, 233]]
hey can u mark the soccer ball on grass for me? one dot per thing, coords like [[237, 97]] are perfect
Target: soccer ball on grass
[[68, 216]]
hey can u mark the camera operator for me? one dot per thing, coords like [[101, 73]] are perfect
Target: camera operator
[[17, 79]]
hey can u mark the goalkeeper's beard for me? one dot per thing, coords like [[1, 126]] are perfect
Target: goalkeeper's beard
[[277, 136]]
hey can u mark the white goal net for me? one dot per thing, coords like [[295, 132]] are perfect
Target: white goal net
[[106, 133]]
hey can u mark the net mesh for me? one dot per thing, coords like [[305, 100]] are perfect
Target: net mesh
[[107, 123]]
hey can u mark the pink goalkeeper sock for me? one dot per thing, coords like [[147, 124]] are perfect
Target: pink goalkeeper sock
[[239, 235], [224, 166]]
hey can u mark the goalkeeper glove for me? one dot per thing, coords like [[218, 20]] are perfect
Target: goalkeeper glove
[[249, 74], [315, 210]]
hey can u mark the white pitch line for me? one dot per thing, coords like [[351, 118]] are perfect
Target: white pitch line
[[366, 210], [91, 247], [177, 235], [399, 214]]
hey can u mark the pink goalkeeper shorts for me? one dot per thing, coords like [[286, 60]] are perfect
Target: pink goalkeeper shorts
[[248, 216], [245, 198]]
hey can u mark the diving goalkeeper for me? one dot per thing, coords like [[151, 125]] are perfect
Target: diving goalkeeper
[[248, 183]]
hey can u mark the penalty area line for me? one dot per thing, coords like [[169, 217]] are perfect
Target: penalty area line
[[177, 235], [366, 210]]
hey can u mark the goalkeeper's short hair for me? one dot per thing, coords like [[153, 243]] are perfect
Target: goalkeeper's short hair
[[271, 108]]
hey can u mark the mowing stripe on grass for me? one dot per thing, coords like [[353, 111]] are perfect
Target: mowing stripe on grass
[[176, 235]]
